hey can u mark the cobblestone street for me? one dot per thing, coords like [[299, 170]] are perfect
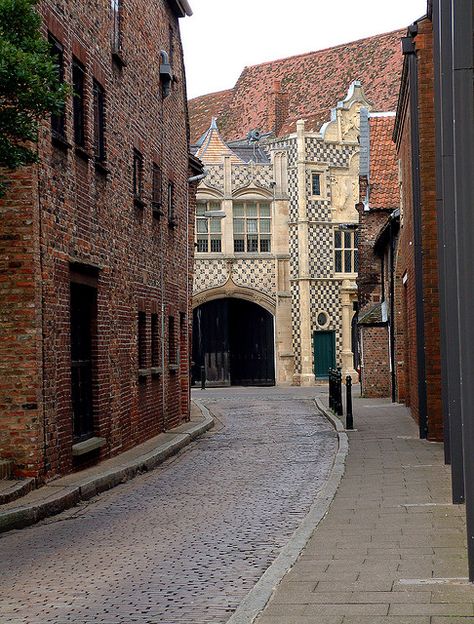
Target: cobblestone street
[[186, 542]]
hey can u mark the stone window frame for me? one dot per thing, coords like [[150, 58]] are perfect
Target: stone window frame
[[343, 248], [209, 236], [327, 322], [259, 235], [322, 173]]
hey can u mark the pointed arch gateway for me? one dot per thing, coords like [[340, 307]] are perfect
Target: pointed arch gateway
[[233, 339]]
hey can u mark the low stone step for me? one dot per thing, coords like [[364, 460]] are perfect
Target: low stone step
[[5, 469], [11, 489]]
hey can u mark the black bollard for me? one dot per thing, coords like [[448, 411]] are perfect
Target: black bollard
[[349, 417], [203, 378], [339, 411], [331, 404]]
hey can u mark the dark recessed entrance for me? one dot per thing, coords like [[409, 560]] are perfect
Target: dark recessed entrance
[[233, 340]]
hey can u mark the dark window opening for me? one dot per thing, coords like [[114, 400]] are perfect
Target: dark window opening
[[58, 120], [78, 80], [99, 122], [316, 184], [137, 176], [142, 351], [172, 347], [116, 8], [155, 341], [156, 190], [83, 332]]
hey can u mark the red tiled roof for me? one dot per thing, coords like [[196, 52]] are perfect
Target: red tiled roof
[[314, 82], [384, 187], [203, 108]]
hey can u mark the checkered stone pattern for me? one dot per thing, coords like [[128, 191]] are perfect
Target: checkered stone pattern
[[292, 153], [293, 248], [209, 274], [334, 154], [321, 253], [257, 274], [293, 194], [256, 175], [215, 177], [296, 325], [325, 297]]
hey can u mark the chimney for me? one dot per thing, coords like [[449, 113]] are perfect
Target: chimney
[[278, 109]]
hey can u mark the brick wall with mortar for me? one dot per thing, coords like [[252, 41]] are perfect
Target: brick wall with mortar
[[74, 215], [375, 364], [406, 338], [375, 380]]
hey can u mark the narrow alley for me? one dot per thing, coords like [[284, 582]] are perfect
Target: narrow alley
[[186, 542]]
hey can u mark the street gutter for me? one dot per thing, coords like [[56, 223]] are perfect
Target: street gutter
[[256, 600]]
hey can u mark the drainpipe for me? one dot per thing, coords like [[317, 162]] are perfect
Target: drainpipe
[[409, 50], [392, 311]]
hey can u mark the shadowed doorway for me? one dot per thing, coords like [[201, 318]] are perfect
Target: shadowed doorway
[[233, 339]]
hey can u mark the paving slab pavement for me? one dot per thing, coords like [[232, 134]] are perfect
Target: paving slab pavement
[[391, 549]]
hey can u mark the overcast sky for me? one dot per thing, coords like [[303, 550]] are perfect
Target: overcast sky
[[223, 36]]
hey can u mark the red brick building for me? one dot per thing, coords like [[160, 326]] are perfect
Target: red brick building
[[96, 246], [417, 294], [378, 228]]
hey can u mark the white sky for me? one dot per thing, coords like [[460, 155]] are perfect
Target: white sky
[[223, 36]]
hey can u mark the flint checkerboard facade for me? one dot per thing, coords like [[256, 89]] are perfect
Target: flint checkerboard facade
[[298, 280]]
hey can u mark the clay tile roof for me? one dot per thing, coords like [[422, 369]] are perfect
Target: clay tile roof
[[204, 108], [384, 188], [212, 147], [314, 83]]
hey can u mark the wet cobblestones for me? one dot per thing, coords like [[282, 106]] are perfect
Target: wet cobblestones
[[184, 543]]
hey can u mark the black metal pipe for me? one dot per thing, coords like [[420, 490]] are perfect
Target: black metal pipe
[[203, 377], [391, 325], [417, 239], [447, 247], [463, 99]]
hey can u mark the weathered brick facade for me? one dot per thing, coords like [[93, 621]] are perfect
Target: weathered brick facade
[[410, 300], [378, 202], [73, 223]]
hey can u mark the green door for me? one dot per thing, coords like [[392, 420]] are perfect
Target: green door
[[324, 343]]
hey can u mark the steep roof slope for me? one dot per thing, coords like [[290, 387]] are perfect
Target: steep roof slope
[[204, 108], [313, 83], [384, 187]]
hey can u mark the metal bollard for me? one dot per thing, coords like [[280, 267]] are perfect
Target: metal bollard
[[339, 411], [349, 417], [203, 377], [331, 404]]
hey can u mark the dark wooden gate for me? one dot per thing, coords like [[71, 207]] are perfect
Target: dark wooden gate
[[83, 323], [234, 340]]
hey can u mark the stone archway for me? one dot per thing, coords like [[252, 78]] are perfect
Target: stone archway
[[233, 339]]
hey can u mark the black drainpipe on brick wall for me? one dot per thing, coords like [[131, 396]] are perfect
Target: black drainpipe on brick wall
[[409, 50]]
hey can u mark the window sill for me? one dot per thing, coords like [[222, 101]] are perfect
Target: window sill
[[101, 167], [60, 142], [138, 203], [173, 368], [88, 446], [82, 153], [143, 372], [155, 371]]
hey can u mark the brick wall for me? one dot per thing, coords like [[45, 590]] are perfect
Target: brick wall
[[375, 377], [82, 218], [406, 335]]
